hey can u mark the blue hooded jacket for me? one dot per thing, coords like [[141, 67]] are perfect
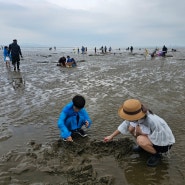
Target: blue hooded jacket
[[5, 54], [68, 120]]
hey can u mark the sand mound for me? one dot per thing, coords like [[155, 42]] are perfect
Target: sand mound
[[62, 162]]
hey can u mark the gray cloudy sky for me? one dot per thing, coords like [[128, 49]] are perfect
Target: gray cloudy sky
[[116, 23]]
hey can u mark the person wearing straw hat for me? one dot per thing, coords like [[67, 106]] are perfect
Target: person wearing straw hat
[[152, 133]]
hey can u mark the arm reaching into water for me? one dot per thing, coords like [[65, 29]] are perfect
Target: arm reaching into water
[[110, 137]]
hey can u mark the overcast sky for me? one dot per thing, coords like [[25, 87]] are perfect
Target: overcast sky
[[116, 23]]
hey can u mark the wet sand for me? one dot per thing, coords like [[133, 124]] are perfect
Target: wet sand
[[31, 151]]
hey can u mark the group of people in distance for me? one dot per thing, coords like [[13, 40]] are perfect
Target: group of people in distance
[[67, 62], [152, 133], [160, 53], [12, 53], [131, 49]]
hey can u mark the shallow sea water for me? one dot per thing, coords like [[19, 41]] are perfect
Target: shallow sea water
[[31, 101]]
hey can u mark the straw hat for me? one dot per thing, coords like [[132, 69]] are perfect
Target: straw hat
[[131, 110]]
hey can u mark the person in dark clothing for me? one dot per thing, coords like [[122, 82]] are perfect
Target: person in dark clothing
[[95, 50], [62, 62], [131, 49], [15, 51], [153, 54], [165, 49]]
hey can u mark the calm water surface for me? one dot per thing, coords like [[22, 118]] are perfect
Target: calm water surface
[[31, 101]]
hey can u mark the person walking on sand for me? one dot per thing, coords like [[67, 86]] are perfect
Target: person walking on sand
[[164, 50], [72, 118], [110, 49], [131, 49], [15, 51], [7, 57], [145, 53], [152, 133]]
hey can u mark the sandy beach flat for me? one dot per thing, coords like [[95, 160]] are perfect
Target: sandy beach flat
[[31, 151]]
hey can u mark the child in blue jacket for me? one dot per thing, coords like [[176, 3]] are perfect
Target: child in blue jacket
[[6, 56], [72, 118]]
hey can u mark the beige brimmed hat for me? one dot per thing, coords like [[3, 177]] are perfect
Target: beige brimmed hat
[[131, 110]]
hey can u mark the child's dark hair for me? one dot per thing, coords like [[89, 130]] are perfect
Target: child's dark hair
[[78, 101]]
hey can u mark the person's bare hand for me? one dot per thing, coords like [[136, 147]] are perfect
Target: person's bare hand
[[137, 131], [69, 139], [107, 138], [86, 124]]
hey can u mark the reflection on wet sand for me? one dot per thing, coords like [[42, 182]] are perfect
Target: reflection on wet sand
[[16, 79], [156, 175]]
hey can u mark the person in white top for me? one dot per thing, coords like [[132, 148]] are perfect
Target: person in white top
[[152, 133]]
